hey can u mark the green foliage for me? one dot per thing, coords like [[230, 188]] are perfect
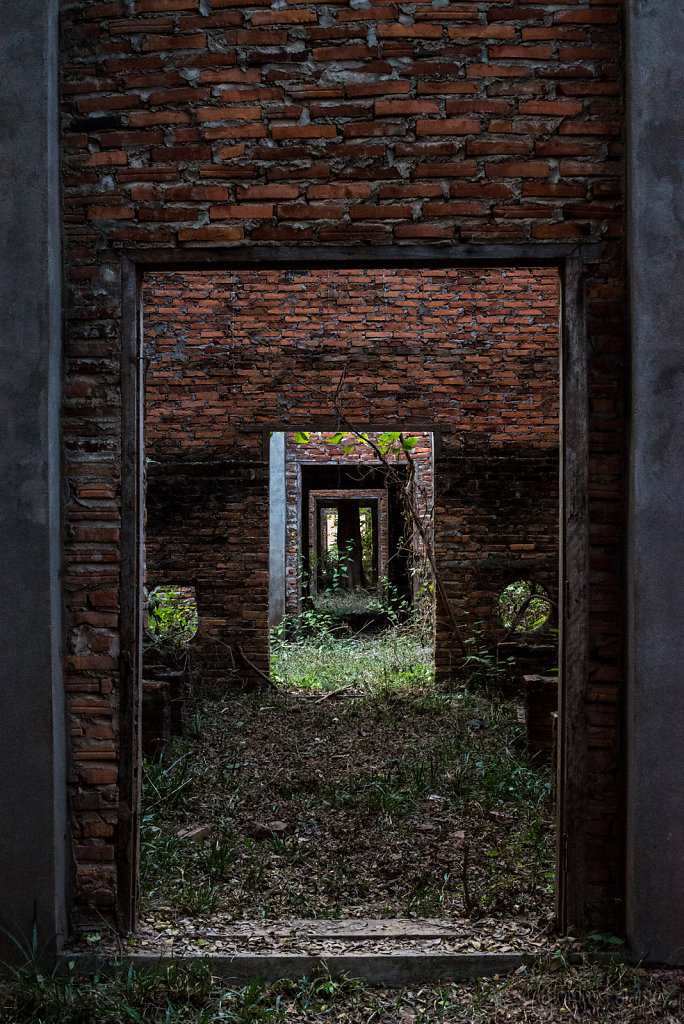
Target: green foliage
[[172, 614], [166, 995], [545, 991], [480, 667], [304, 656], [391, 443], [524, 606]]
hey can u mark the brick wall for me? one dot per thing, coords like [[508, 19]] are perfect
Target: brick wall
[[474, 352], [212, 122]]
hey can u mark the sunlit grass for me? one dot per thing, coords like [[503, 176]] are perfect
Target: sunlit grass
[[396, 658]]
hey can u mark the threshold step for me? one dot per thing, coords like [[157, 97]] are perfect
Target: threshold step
[[390, 970]]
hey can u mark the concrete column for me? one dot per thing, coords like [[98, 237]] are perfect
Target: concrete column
[[277, 516], [655, 729], [32, 721]]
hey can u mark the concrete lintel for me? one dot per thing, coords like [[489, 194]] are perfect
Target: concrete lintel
[[655, 726]]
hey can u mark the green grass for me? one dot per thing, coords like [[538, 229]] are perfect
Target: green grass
[[355, 778], [330, 659], [338, 603], [546, 992]]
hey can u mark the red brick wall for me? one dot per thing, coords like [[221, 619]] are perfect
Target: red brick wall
[[211, 123], [474, 352]]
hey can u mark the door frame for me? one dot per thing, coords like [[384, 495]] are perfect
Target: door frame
[[571, 768]]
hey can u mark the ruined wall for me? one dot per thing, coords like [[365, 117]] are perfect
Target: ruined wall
[[212, 122], [473, 351]]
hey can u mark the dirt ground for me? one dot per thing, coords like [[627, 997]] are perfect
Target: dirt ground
[[400, 803]]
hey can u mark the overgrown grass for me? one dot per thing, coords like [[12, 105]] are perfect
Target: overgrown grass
[[327, 658], [338, 603], [547, 992], [380, 793]]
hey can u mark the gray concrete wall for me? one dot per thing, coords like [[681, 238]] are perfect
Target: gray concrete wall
[[32, 724], [277, 504], [655, 736]]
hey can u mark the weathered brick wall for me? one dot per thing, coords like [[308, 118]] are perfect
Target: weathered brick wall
[[205, 528], [474, 352], [318, 451], [212, 122], [496, 521]]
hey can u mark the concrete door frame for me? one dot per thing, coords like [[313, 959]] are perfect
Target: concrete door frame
[[574, 526]]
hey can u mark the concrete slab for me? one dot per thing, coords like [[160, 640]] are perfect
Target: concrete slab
[[33, 837], [392, 970], [655, 725]]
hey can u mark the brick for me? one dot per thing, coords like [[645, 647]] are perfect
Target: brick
[[518, 169], [326, 53], [118, 158], [146, 118], [556, 231], [300, 17], [211, 234], [481, 32], [386, 88], [448, 126], [90, 104], [423, 231], [399, 31], [477, 106], [470, 209], [496, 71], [524, 52], [375, 212], [245, 211], [268, 192], [185, 42], [145, 6], [393, 108], [556, 108], [303, 131], [309, 211], [338, 191]]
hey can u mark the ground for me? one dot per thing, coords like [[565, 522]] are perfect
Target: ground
[[357, 789], [546, 993], [354, 802]]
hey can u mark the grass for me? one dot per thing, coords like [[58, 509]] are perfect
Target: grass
[[546, 992], [332, 658], [388, 794], [338, 603]]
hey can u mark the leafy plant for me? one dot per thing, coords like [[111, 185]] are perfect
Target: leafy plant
[[172, 616], [524, 607]]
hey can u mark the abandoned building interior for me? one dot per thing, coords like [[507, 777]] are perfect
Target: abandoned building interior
[[349, 324]]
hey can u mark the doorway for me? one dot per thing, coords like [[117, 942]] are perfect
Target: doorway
[[573, 542]]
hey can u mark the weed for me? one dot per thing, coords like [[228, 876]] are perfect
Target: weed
[[394, 659], [166, 784]]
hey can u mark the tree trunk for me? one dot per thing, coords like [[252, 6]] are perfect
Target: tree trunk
[[349, 544]]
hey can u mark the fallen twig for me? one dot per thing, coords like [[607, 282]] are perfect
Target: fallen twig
[[255, 668], [334, 693], [467, 901]]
